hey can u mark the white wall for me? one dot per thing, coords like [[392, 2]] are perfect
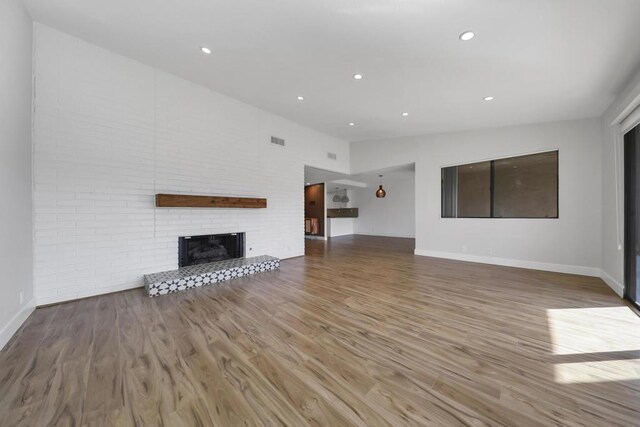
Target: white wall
[[338, 226], [110, 132], [393, 215], [612, 188], [571, 243], [16, 253]]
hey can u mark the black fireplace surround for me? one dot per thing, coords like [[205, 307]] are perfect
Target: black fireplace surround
[[193, 250]]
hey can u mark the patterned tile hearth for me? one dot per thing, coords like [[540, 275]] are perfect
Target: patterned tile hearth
[[196, 276]]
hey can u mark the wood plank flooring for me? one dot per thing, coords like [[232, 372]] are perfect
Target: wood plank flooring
[[359, 332]]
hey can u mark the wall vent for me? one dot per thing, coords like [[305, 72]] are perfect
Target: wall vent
[[332, 156], [278, 141]]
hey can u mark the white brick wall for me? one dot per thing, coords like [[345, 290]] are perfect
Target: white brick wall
[[110, 133], [16, 251]]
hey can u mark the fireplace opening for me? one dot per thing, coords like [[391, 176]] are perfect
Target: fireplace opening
[[193, 250]]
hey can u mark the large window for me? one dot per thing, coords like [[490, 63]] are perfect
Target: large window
[[515, 187]]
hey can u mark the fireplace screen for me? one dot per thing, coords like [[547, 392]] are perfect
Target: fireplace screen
[[194, 250]]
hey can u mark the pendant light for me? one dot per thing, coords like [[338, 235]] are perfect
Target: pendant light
[[380, 193], [337, 198], [344, 198]]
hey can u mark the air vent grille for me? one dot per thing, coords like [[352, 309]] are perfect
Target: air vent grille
[[277, 141], [332, 156]]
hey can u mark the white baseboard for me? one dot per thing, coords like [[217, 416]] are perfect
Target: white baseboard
[[315, 237], [617, 287], [340, 235], [400, 236], [532, 265], [16, 321], [292, 256], [55, 299]]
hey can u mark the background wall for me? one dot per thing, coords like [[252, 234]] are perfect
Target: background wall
[[110, 132], [16, 254], [571, 243], [393, 215], [612, 188], [338, 226]]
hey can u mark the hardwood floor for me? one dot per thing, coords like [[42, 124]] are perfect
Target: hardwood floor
[[358, 332]]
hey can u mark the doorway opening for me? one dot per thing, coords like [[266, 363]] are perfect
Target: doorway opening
[[314, 211]]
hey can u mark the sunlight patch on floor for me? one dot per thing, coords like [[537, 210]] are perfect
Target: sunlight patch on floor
[[592, 372], [590, 330], [588, 333]]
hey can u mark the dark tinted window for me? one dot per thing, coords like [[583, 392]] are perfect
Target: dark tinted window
[[515, 187]]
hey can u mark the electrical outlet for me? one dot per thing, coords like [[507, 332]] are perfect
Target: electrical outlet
[[490, 251], [464, 248], [21, 295]]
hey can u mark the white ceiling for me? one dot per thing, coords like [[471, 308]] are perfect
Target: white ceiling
[[336, 180], [316, 176], [543, 60]]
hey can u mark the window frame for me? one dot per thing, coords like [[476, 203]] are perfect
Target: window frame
[[492, 187]]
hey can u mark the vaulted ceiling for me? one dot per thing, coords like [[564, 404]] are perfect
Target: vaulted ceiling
[[542, 60]]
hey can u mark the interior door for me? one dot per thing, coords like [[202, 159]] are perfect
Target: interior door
[[632, 214]]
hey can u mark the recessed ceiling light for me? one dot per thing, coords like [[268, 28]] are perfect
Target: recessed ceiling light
[[308, 183], [488, 98], [357, 76], [467, 35], [405, 114], [205, 50], [351, 124], [301, 98]]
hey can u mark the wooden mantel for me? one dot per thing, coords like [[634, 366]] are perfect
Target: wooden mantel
[[187, 201]]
